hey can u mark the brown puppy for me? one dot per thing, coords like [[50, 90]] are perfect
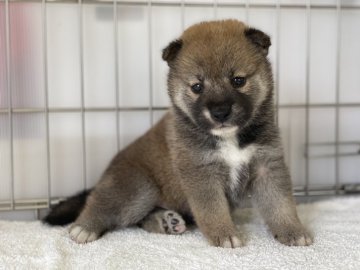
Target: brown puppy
[[217, 143]]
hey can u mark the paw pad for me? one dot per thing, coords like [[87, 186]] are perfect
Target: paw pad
[[173, 223]]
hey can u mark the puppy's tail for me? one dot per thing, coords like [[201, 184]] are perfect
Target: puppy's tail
[[67, 211]]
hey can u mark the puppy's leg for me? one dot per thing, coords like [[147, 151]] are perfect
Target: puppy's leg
[[210, 208], [272, 193], [212, 215], [114, 203], [163, 221]]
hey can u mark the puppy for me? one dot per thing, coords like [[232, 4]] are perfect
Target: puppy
[[217, 144]]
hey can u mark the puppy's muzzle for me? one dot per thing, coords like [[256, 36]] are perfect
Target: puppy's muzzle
[[220, 113]]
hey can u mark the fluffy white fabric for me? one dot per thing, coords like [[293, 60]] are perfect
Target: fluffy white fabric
[[335, 224]]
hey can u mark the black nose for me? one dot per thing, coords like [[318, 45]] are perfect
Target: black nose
[[220, 113]]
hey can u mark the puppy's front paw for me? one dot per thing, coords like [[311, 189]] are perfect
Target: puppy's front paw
[[230, 241], [80, 235], [294, 237]]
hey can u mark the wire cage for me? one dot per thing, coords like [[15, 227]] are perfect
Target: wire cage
[[79, 80]]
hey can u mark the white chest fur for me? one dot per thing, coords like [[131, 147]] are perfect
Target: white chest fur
[[236, 158]]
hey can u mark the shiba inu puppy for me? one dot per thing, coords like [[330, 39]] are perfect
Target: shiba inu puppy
[[217, 144]]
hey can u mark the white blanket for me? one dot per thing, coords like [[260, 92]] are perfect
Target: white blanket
[[335, 224]]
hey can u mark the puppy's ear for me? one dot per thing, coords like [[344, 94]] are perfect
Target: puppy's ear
[[259, 38], [172, 50]]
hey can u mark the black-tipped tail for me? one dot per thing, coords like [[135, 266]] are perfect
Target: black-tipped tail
[[67, 211]]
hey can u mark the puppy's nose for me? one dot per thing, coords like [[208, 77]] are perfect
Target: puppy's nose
[[220, 113]]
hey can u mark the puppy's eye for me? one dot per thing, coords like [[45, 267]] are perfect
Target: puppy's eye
[[197, 88], [238, 82]]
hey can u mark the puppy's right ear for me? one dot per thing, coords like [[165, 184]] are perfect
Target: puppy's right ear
[[172, 50]]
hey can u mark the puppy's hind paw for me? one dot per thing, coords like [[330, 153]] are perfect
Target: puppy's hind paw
[[81, 236], [173, 223]]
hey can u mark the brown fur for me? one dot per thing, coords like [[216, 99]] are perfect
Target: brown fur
[[191, 163]]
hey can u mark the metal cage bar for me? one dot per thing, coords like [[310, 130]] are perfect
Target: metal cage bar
[[46, 98], [159, 108], [151, 93], [337, 97], [9, 111], [195, 3], [116, 67], [307, 93], [82, 90], [182, 10], [277, 64]]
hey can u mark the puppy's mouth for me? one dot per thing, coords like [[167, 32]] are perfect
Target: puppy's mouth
[[222, 125], [224, 130]]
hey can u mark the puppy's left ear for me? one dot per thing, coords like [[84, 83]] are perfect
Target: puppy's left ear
[[172, 50], [259, 38]]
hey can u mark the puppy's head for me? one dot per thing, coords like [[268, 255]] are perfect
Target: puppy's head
[[219, 75]]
